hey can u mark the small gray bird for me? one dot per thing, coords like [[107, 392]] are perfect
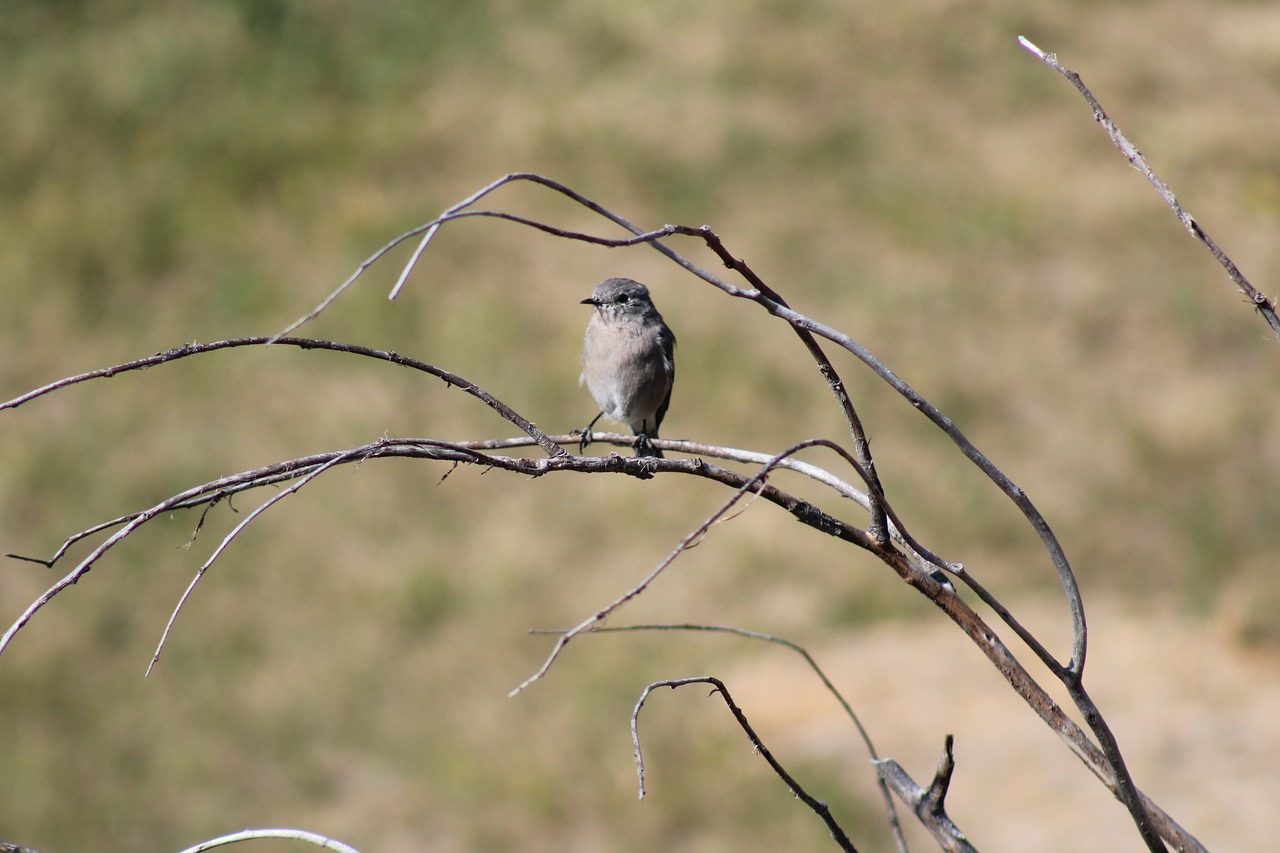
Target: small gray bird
[[628, 361]]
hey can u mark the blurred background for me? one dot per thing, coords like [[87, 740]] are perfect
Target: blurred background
[[194, 171]]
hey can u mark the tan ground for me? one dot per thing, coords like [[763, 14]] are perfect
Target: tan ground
[[1195, 716]]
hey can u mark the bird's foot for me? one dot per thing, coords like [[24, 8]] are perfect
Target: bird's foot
[[644, 447], [584, 438]]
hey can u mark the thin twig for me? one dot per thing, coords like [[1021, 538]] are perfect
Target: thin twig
[[226, 540], [306, 344], [820, 808], [755, 482], [1257, 298], [891, 812]]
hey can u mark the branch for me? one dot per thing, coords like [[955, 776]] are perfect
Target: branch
[[820, 808], [806, 328], [254, 834], [755, 483], [186, 350], [7, 847], [1105, 762], [802, 324], [472, 453], [929, 804], [217, 552], [1259, 300], [418, 448], [1069, 673], [890, 811], [812, 516]]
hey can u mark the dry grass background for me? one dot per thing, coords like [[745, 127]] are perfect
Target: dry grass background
[[200, 170]]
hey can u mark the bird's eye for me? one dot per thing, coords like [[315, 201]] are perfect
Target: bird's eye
[[624, 298]]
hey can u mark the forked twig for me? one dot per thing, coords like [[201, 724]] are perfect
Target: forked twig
[[929, 804], [235, 531], [695, 535]]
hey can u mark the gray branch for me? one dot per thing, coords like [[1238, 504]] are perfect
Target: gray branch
[[929, 804]]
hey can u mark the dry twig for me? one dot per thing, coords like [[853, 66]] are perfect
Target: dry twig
[[1103, 758], [1260, 301], [929, 804], [818, 806]]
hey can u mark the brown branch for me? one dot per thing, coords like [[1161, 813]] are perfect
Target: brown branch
[[812, 516], [862, 447], [1105, 762], [1258, 299], [1070, 673], [800, 323], [756, 484], [820, 808]]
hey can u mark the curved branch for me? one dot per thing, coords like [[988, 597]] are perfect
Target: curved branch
[[186, 350], [290, 834], [808, 514], [1106, 762], [226, 540], [803, 325], [895, 827], [820, 808]]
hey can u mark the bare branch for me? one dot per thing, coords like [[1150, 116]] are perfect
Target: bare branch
[[1260, 301], [421, 448], [290, 834], [820, 808], [806, 328], [307, 344], [755, 483], [429, 230], [472, 453], [801, 323], [222, 546], [890, 811], [6, 847], [929, 804], [884, 525]]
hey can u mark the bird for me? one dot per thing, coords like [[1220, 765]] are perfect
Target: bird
[[628, 361]]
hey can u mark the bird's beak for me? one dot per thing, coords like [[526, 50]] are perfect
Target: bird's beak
[[590, 300]]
